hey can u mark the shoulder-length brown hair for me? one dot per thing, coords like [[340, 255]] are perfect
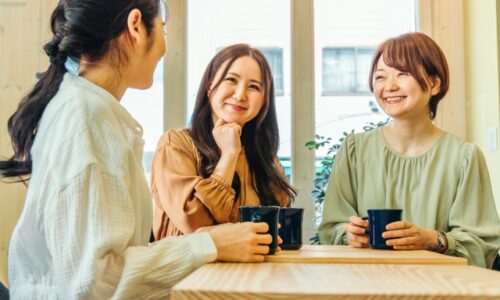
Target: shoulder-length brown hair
[[419, 55], [260, 136]]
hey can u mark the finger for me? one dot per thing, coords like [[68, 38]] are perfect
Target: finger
[[260, 227], [354, 229], [363, 239], [406, 241], [264, 239], [257, 258], [219, 122], [406, 247], [355, 220], [280, 240], [261, 249], [398, 225], [397, 233], [355, 244]]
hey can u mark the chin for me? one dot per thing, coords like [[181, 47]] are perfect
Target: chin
[[142, 85]]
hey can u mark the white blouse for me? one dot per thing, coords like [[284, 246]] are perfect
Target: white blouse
[[85, 226]]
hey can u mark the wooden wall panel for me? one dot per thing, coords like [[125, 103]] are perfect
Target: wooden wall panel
[[24, 28]]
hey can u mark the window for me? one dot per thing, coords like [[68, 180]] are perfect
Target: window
[[345, 70], [275, 58], [271, 35], [146, 106]]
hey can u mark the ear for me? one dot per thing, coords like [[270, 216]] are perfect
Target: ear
[[135, 28], [435, 85]]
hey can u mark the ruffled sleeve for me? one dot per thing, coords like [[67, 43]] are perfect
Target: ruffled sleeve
[[340, 198], [473, 219]]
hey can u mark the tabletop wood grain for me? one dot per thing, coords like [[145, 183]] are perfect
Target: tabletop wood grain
[[349, 255], [338, 281]]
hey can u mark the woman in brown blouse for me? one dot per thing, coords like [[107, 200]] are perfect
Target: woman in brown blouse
[[228, 157]]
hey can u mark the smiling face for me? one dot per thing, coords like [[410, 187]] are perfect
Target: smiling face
[[399, 94], [240, 95]]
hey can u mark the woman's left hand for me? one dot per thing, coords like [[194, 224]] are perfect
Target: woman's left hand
[[403, 235]]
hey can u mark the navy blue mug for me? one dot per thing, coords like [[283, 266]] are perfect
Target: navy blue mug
[[268, 214], [378, 219], [290, 219]]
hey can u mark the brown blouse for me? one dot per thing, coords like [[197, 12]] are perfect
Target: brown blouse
[[185, 201]]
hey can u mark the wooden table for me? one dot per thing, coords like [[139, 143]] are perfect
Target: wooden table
[[349, 255], [338, 281]]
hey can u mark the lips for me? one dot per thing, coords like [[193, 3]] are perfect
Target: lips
[[237, 107], [394, 99]]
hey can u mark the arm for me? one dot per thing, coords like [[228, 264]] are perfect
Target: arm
[[473, 218], [189, 200], [340, 198], [91, 233]]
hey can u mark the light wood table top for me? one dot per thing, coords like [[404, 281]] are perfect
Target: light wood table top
[[349, 255], [338, 281]]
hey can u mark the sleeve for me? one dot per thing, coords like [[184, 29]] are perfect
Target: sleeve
[[340, 197], [189, 200], [473, 218], [90, 232]]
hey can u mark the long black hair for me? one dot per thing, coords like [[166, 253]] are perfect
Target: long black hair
[[81, 28], [260, 136]]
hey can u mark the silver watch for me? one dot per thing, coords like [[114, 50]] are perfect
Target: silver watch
[[442, 243]]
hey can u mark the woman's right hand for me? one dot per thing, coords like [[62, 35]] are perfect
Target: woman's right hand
[[241, 242], [356, 232], [227, 137]]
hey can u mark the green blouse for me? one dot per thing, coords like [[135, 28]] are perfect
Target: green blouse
[[447, 188]]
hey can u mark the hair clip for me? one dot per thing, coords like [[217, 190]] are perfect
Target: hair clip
[[72, 66]]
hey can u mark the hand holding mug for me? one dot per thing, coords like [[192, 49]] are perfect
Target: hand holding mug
[[404, 235], [357, 232], [241, 242]]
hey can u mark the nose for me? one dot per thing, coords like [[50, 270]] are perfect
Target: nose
[[390, 84], [240, 92]]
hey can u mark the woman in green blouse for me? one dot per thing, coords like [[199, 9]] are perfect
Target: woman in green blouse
[[440, 182]]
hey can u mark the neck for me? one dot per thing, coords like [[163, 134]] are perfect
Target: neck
[[105, 76], [411, 137]]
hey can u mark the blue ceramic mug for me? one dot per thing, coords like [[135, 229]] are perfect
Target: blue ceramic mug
[[268, 214], [378, 219], [290, 219]]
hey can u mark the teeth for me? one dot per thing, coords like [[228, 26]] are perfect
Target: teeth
[[394, 98]]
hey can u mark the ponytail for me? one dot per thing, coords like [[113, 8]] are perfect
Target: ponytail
[[23, 124], [81, 28]]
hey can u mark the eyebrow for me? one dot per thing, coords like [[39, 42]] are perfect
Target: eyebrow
[[251, 80]]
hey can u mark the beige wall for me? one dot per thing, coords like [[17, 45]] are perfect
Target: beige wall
[[482, 79], [23, 29]]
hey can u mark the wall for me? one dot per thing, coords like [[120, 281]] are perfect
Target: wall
[[23, 29], [482, 25]]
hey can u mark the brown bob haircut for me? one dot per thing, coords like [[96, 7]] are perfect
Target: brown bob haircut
[[419, 55]]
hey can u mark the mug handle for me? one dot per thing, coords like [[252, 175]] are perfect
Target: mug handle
[[367, 230]]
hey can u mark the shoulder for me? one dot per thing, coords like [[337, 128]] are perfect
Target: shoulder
[[177, 138], [367, 139], [464, 152], [454, 145], [79, 104]]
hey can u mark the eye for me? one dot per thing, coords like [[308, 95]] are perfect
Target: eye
[[403, 74], [379, 77], [231, 79], [255, 87]]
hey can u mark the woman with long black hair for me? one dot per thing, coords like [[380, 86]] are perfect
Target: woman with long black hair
[[228, 157], [84, 229]]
